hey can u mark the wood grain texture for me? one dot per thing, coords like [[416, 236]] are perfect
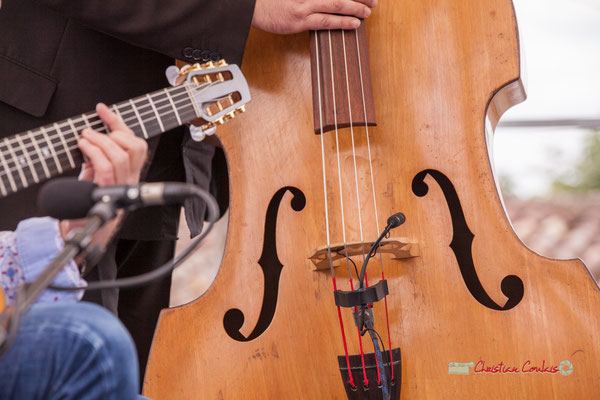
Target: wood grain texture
[[436, 65]]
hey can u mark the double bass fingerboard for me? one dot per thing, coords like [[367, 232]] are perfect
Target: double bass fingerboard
[[37, 155], [341, 79]]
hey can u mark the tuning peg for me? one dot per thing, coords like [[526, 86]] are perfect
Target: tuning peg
[[172, 73], [198, 133]]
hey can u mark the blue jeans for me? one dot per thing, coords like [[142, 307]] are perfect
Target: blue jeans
[[70, 351]]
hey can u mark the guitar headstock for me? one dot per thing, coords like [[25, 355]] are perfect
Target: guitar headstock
[[220, 92]]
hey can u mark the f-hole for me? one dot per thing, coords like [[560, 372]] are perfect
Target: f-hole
[[271, 267], [462, 241]]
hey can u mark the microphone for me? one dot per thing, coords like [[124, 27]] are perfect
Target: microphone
[[396, 220], [68, 198]]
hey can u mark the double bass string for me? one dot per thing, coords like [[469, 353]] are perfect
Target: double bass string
[[362, 87], [326, 207], [360, 342], [370, 168], [362, 241], [337, 144]]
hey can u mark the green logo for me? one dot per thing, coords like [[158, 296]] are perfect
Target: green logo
[[565, 367], [459, 368]]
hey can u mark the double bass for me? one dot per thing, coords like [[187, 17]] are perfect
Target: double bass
[[397, 116]]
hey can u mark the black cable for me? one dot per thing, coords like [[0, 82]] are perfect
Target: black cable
[[361, 279], [392, 222], [142, 279], [349, 259], [387, 379], [381, 340]]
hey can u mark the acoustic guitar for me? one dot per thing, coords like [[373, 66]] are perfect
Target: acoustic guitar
[[208, 94]]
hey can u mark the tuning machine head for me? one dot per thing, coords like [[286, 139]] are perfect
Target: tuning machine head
[[220, 82]]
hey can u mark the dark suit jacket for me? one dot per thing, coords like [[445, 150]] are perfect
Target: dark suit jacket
[[58, 58]]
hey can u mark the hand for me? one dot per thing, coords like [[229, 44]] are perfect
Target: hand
[[293, 16], [114, 159]]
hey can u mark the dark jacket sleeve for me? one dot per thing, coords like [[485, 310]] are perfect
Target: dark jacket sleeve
[[190, 30]]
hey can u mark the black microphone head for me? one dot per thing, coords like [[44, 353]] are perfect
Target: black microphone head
[[396, 220], [66, 198]]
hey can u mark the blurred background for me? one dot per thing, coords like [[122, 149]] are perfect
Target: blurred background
[[546, 150]]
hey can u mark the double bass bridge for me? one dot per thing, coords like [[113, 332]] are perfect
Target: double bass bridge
[[398, 247]]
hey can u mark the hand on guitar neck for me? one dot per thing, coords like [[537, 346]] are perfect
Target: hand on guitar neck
[[113, 159], [116, 158], [293, 16]]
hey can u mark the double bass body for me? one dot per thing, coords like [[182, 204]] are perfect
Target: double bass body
[[474, 312]]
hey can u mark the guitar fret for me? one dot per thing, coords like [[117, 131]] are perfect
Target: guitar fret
[[22, 165], [18, 166], [162, 128], [154, 112], [8, 171], [86, 121], [126, 115], [76, 128], [29, 161], [191, 95], [116, 111], [137, 114], [64, 143], [73, 129], [2, 187], [173, 106], [40, 155], [51, 148]]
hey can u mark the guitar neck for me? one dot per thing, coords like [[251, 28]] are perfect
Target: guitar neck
[[36, 155]]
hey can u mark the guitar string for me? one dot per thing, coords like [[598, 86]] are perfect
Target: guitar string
[[60, 150], [362, 87], [65, 124], [52, 167], [15, 166], [97, 125], [34, 136], [317, 51], [183, 90], [29, 167], [365, 379]]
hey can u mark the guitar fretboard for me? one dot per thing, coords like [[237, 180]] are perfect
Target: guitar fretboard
[[34, 156]]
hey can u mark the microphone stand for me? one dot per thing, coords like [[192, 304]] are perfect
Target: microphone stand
[[76, 242]]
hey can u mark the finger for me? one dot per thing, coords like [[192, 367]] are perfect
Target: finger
[[111, 119], [327, 21], [117, 156], [342, 7], [103, 169], [369, 3], [87, 172], [137, 149]]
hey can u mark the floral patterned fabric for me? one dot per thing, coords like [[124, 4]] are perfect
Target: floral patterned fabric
[[25, 253]]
